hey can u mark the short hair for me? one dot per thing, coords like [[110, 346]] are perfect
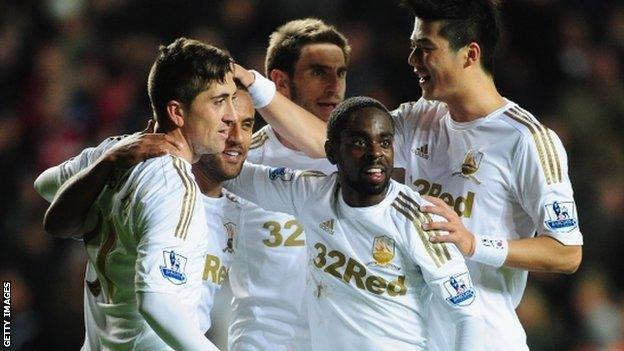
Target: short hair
[[181, 71], [240, 85], [286, 42], [465, 21], [340, 116]]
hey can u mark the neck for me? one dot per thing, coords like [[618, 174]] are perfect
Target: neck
[[207, 185], [187, 151], [477, 100], [354, 198]]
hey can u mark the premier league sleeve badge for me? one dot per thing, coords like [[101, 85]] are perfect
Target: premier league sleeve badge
[[174, 267]]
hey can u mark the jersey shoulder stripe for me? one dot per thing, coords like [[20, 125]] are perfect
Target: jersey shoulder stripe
[[108, 243], [188, 202], [542, 138], [258, 139], [310, 173], [409, 208]]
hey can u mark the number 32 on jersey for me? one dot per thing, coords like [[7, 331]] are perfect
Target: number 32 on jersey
[[292, 230]]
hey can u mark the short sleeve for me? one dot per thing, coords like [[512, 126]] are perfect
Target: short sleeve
[[171, 228], [543, 186], [442, 266], [405, 118], [278, 189]]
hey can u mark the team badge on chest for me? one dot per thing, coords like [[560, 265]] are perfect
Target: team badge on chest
[[230, 229], [383, 251], [470, 166]]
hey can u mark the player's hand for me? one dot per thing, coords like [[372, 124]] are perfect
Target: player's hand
[[243, 75], [137, 148], [457, 232]]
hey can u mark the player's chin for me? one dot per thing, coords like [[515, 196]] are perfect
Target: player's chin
[[374, 188]]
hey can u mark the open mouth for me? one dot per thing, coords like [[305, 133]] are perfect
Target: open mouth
[[327, 107], [375, 174], [423, 79], [232, 156]]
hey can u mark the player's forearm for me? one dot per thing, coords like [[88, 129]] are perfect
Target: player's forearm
[[165, 314], [68, 213], [544, 254], [469, 334], [297, 125]]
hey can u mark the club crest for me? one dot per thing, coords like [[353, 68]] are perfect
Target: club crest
[[383, 250], [470, 166], [230, 229]]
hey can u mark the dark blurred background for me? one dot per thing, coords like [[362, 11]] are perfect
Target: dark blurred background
[[74, 71]]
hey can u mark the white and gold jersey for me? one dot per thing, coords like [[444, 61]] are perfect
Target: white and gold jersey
[[369, 266], [150, 237], [506, 175], [268, 273], [224, 218]]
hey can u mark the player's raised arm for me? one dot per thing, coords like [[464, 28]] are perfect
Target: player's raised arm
[[68, 215], [290, 120]]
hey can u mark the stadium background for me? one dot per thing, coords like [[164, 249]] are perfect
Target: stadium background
[[74, 71]]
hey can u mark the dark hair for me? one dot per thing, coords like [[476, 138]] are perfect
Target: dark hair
[[465, 21], [286, 42], [182, 70], [340, 116]]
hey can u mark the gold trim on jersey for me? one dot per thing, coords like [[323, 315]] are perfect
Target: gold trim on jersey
[[312, 174], [542, 138], [188, 203], [258, 139], [100, 261], [411, 210]]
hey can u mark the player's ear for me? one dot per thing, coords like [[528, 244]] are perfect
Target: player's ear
[[175, 112], [330, 152], [282, 81], [473, 54]]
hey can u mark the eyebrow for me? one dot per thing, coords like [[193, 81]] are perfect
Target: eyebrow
[[221, 96], [422, 41], [325, 67]]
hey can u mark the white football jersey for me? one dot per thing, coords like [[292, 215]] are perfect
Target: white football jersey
[[93, 316], [268, 273], [369, 266], [151, 238], [506, 175], [138, 245], [224, 218]]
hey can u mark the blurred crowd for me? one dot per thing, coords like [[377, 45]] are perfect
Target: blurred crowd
[[74, 71]]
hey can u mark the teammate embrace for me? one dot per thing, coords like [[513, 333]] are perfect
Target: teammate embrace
[[386, 268]]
